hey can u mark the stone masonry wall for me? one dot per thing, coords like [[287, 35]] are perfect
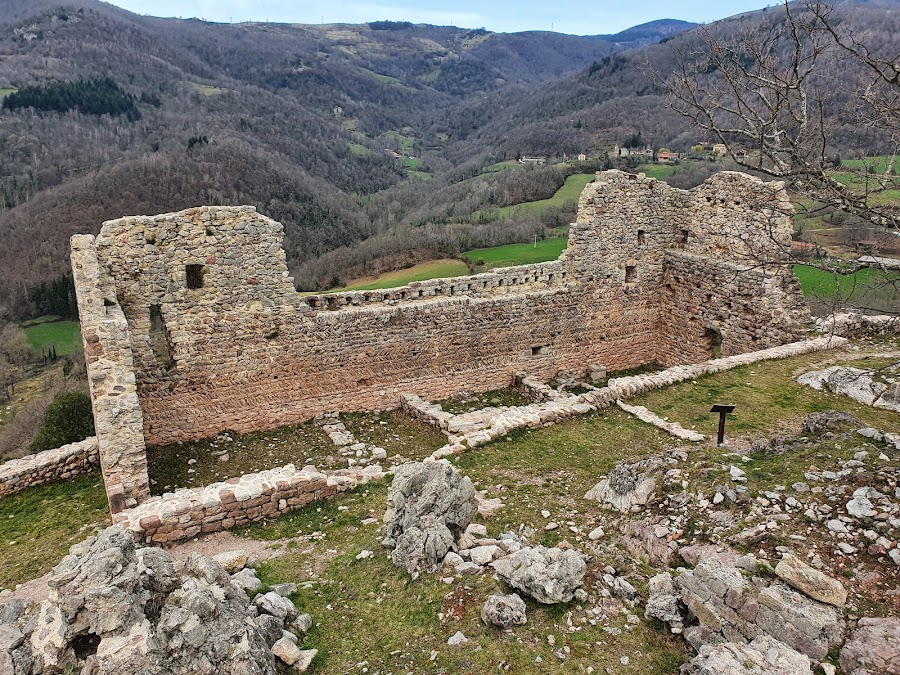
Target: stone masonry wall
[[68, 461], [118, 420], [202, 304]]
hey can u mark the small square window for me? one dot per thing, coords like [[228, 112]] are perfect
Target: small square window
[[194, 275], [683, 237], [536, 350], [630, 274]]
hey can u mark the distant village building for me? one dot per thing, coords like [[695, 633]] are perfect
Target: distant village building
[[394, 154], [533, 160], [582, 157], [632, 152], [719, 149]]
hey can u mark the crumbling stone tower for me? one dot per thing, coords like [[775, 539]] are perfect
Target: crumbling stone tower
[[192, 326]]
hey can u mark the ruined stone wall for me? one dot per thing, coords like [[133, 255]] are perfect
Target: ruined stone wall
[[68, 461], [118, 420], [202, 304]]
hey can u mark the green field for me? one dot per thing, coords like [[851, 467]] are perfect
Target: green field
[[359, 150], [567, 195], [434, 269], [517, 254], [404, 142], [206, 89], [64, 335], [869, 287]]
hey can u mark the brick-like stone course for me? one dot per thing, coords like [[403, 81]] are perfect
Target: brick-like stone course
[[186, 513], [68, 461], [192, 325]]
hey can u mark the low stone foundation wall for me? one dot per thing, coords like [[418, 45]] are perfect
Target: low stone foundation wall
[[539, 414], [859, 325], [186, 513], [68, 461]]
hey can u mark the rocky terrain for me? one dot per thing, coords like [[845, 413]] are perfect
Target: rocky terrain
[[600, 543]]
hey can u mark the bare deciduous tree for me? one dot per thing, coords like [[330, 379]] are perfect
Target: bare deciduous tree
[[775, 92]]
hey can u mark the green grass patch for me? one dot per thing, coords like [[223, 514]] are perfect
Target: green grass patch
[[413, 162], [869, 287], [495, 398], [64, 335], [38, 525], [434, 269], [359, 150], [768, 400], [878, 164], [566, 196], [500, 166], [658, 171], [404, 142], [418, 175], [206, 89], [198, 463], [517, 254]]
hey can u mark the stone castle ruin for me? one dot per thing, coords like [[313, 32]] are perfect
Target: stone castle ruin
[[192, 325]]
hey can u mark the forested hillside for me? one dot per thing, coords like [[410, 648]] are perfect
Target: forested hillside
[[106, 113], [378, 144]]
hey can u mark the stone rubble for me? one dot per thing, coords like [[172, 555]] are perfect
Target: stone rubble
[[116, 609], [856, 383], [549, 575], [429, 505], [504, 611], [872, 648]]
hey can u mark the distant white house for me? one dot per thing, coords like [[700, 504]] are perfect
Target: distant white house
[[533, 160]]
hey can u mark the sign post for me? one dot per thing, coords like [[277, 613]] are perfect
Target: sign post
[[723, 409]]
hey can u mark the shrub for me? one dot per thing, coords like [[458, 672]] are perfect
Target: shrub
[[67, 419]]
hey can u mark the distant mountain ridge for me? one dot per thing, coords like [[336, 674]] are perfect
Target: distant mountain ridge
[[335, 130]]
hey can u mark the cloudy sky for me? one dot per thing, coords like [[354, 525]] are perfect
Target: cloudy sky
[[580, 17]]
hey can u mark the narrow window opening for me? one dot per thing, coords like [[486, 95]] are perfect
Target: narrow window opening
[[160, 340], [194, 274], [640, 237], [630, 274], [683, 237], [537, 350]]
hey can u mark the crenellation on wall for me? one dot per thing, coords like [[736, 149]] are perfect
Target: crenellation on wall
[[197, 310]]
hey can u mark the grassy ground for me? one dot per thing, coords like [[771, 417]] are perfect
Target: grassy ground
[[498, 397], [517, 254], [64, 335], [368, 612], [207, 90], [171, 467], [359, 150], [38, 525], [566, 196], [434, 269], [768, 399], [868, 287]]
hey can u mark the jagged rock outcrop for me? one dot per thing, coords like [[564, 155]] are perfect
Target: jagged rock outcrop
[[429, 505], [873, 648], [764, 656], [629, 486], [856, 383], [721, 605], [504, 611], [549, 575], [115, 609]]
